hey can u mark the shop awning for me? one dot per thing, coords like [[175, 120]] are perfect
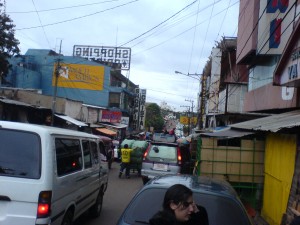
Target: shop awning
[[114, 125], [71, 120], [106, 131]]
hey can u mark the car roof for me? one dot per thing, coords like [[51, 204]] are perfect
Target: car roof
[[164, 143], [195, 183]]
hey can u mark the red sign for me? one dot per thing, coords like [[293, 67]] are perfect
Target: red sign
[[110, 116]]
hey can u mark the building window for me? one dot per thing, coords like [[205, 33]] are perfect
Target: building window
[[114, 100]]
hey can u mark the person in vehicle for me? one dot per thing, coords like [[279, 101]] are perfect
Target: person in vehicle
[[172, 132], [180, 208], [125, 161]]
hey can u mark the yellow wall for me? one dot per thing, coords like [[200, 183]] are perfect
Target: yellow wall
[[280, 155], [80, 76]]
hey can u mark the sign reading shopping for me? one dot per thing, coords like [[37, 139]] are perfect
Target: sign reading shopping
[[114, 55]]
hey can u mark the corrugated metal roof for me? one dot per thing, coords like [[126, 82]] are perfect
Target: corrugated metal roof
[[272, 123], [14, 102], [228, 133]]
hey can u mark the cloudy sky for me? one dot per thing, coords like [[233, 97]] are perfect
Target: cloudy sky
[[164, 36]]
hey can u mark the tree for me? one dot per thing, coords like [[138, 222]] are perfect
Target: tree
[[153, 117], [165, 109], [8, 42]]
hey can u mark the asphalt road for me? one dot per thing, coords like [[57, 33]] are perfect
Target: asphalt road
[[116, 198]]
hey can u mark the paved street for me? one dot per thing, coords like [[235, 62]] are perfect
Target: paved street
[[116, 198]]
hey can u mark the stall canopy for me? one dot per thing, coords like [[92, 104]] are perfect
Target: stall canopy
[[71, 120], [106, 131]]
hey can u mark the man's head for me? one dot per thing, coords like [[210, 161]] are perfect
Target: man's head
[[126, 146]]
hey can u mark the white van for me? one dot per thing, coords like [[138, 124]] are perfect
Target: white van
[[48, 175]]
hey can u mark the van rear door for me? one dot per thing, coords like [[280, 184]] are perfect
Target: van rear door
[[20, 174]]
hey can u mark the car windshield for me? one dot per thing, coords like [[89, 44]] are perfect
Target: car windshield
[[220, 209], [162, 153], [20, 154]]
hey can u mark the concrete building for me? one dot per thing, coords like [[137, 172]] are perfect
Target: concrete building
[[103, 93]]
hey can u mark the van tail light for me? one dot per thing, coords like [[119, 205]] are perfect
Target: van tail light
[[179, 156], [44, 204], [145, 154]]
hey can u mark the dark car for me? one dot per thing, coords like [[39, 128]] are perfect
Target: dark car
[[220, 200], [165, 156]]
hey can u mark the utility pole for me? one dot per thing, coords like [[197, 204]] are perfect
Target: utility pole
[[202, 102], [192, 113], [189, 117], [55, 85], [201, 98]]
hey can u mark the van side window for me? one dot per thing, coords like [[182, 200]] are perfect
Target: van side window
[[87, 154], [95, 152], [68, 156], [102, 152]]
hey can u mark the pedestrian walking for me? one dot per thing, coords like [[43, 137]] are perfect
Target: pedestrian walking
[[180, 208], [125, 161]]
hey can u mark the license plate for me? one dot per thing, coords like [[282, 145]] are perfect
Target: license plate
[[159, 166]]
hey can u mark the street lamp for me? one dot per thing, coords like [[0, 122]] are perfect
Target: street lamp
[[191, 75]]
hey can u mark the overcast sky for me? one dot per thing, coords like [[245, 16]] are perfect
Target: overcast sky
[[164, 36]]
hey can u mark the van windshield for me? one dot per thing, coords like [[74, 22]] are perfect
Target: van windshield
[[20, 154]]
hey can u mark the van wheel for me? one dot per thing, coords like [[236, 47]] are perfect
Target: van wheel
[[68, 218], [96, 209]]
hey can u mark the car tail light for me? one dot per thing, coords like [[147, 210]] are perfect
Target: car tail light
[[44, 204], [179, 156], [146, 153]]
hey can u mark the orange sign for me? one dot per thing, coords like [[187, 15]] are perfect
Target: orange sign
[[79, 76], [186, 120]]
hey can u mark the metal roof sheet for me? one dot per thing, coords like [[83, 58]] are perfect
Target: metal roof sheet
[[228, 133], [71, 120], [272, 123]]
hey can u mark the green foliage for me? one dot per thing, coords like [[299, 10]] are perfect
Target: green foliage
[[153, 117], [8, 42]]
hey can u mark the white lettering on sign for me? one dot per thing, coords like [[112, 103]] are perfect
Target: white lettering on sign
[[139, 109], [293, 72], [287, 93], [118, 55]]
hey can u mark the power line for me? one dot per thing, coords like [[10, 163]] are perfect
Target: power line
[[77, 18], [184, 8], [41, 24], [181, 33], [62, 8]]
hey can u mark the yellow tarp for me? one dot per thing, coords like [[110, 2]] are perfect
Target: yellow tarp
[[280, 156]]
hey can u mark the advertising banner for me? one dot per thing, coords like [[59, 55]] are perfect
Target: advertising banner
[[79, 76], [110, 116]]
